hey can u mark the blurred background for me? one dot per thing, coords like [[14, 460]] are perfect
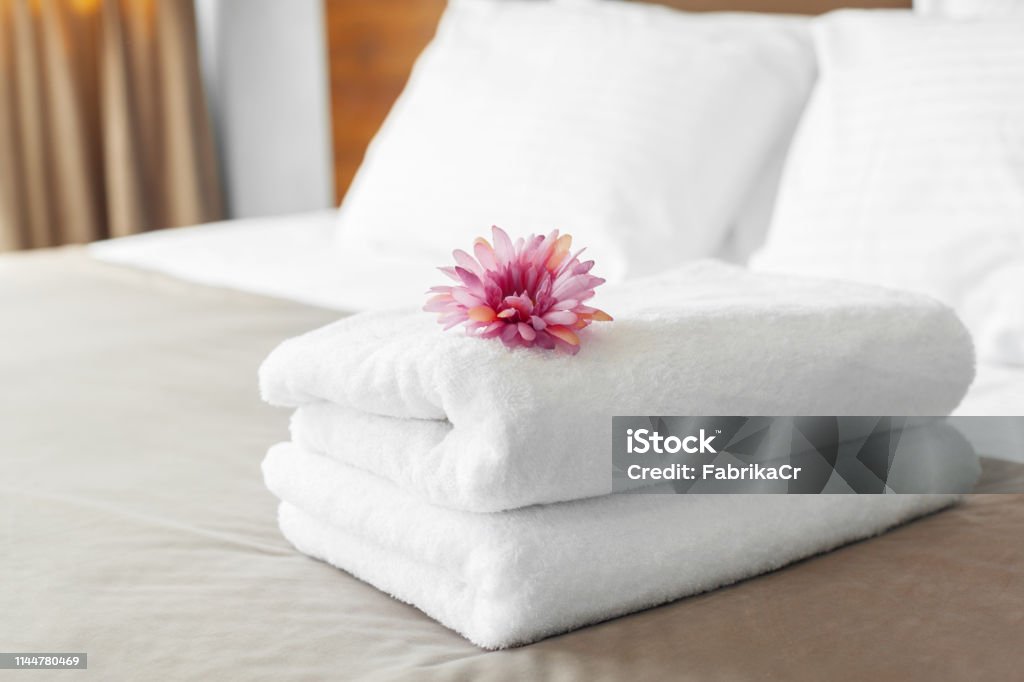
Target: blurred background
[[121, 116]]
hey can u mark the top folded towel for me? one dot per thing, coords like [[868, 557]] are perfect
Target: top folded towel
[[531, 426]]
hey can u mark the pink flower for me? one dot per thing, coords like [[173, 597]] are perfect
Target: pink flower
[[530, 293]]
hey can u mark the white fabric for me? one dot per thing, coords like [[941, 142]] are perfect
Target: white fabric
[[751, 227], [908, 167], [291, 257], [511, 578], [627, 125], [532, 426], [995, 311], [966, 9]]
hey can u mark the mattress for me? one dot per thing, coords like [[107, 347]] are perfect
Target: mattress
[[134, 526]]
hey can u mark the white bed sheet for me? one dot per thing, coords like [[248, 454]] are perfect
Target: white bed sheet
[[295, 257]]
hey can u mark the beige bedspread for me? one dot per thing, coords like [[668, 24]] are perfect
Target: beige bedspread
[[134, 526]]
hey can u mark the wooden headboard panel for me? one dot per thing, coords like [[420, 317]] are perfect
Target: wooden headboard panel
[[372, 46]]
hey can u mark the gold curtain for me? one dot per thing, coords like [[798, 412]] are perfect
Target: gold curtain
[[104, 129]]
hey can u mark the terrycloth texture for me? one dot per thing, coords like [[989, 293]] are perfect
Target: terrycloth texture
[[514, 428], [402, 450], [514, 577]]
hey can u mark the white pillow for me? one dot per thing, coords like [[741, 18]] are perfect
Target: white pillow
[[963, 9], [908, 166], [636, 128]]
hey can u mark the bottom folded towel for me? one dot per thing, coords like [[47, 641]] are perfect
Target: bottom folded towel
[[510, 578]]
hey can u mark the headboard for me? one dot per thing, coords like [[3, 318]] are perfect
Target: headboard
[[372, 46]]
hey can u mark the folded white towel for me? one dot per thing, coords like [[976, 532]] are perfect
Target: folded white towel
[[514, 577], [514, 428]]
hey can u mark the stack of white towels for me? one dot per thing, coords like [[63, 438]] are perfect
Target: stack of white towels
[[474, 481]]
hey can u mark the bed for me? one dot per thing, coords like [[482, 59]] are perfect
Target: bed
[[136, 526]]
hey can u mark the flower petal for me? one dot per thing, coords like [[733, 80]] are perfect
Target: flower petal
[[559, 317], [467, 261], [450, 321], [485, 254], [440, 305], [564, 334], [450, 272], [583, 268], [568, 348], [502, 245], [491, 330], [467, 277], [521, 303], [545, 340], [463, 296], [509, 332], [481, 313], [562, 246]]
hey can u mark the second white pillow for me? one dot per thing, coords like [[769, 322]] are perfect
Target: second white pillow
[[638, 129], [908, 167]]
